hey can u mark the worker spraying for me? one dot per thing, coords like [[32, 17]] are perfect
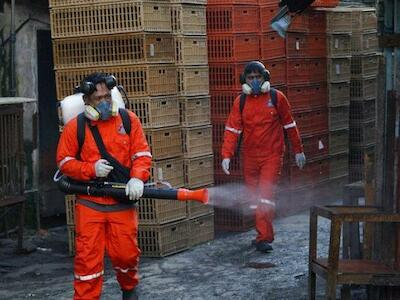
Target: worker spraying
[[105, 159], [259, 116]]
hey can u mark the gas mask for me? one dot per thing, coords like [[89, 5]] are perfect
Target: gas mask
[[256, 87], [102, 111]]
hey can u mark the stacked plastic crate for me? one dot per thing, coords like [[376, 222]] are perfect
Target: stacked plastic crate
[[307, 92], [133, 40], [363, 89], [189, 30], [233, 33], [338, 28]]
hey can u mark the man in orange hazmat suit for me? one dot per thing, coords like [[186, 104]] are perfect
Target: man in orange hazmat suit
[[261, 114], [104, 223]]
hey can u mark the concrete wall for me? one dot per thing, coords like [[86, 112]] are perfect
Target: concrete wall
[[31, 16], [36, 16]]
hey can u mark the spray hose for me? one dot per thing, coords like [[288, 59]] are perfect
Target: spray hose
[[117, 190]]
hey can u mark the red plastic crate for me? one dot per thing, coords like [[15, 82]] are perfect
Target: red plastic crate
[[277, 68], [312, 121], [218, 129], [233, 19], [222, 102], [305, 45], [272, 46], [301, 23], [318, 19], [302, 97], [315, 146], [230, 2], [225, 76], [325, 3], [306, 70], [313, 173], [282, 88], [267, 12], [233, 47]]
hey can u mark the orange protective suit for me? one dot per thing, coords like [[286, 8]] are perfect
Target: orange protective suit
[[262, 124], [102, 223]]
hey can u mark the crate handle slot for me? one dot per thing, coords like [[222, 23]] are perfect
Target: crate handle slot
[[166, 134], [199, 133], [155, 7], [158, 39], [196, 72], [173, 228], [198, 102], [194, 42], [201, 163], [163, 102], [169, 166]]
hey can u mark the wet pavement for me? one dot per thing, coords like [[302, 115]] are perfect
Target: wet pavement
[[225, 268]]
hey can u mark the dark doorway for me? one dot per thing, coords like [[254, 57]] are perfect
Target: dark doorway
[[52, 199]]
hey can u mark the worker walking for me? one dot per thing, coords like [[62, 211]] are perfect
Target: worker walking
[[261, 114], [104, 223]]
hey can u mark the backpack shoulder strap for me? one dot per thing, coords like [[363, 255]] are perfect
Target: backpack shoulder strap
[[126, 121], [242, 102], [274, 96], [80, 132]]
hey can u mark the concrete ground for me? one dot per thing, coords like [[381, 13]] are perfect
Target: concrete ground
[[226, 268]]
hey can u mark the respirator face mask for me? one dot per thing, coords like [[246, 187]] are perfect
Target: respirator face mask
[[105, 109]]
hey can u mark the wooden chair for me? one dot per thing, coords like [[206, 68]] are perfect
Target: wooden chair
[[347, 271]]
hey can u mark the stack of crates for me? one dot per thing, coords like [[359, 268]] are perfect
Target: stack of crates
[[363, 89], [189, 30], [234, 37], [338, 28], [306, 58], [137, 42]]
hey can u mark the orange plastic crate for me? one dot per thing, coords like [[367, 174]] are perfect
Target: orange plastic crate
[[306, 70], [315, 146], [303, 97], [218, 129], [233, 47], [313, 173], [267, 12], [224, 76], [233, 19], [325, 3], [222, 102], [277, 67], [272, 46], [312, 121], [305, 45]]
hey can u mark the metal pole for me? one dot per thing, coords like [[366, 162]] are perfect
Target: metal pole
[[12, 91]]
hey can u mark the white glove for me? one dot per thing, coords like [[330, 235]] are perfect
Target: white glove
[[225, 165], [134, 188], [300, 160], [102, 168]]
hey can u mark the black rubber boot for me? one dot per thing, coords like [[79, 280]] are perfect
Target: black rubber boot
[[130, 295], [263, 246]]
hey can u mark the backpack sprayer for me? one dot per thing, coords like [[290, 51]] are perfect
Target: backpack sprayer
[[117, 190]]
